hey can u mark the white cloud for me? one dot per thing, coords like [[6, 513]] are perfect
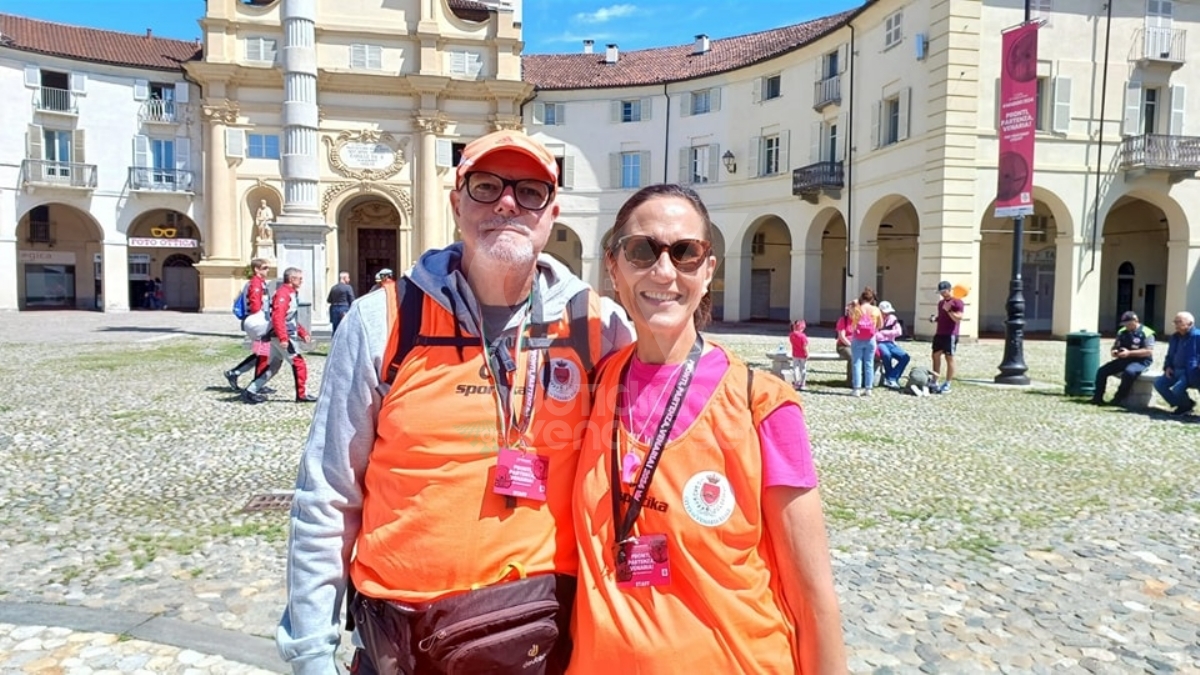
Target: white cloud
[[605, 14]]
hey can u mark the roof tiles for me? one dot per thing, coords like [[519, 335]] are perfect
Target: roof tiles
[[671, 64], [95, 45]]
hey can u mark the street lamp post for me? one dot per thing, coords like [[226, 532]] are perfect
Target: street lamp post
[[1013, 368]]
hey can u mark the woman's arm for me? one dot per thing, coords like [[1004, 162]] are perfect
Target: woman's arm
[[797, 530]]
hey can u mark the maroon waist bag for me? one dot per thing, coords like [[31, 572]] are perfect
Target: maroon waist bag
[[511, 628]]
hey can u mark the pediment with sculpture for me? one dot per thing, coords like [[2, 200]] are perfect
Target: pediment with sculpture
[[367, 154]]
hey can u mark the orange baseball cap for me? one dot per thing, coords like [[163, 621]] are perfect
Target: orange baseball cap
[[512, 141]]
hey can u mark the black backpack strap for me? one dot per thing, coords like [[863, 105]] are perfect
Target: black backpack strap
[[578, 308], [749, 387], [409, 298]]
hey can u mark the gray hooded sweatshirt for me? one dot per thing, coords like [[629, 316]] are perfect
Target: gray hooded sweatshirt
[[327, 505]]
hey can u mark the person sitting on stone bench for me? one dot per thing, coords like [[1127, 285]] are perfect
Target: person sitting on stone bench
[[1133, 352], [1182, 367]]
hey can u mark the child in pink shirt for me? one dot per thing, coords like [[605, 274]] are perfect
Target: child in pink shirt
[[799, 354]]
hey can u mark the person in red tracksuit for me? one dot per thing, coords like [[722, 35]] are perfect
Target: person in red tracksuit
[[285, 329], [257, 298]]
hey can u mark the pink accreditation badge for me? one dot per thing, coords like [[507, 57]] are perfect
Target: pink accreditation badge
[[643, 561], [521, 474]]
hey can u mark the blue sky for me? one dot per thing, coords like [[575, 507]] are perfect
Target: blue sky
[[549, 25]]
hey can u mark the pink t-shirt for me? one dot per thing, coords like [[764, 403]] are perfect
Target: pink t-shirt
[[783, 435], [799, 344]]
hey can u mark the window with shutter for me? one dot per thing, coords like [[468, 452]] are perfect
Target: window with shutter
[[893, 30], [631, 169], [235, 143], [1178, 106], [772, 87], [1062, 105], [443, 153]]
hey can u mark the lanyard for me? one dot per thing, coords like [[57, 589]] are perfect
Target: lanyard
[[625, 525], [504, 409]]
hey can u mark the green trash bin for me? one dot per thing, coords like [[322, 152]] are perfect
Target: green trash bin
[[1083, 360]]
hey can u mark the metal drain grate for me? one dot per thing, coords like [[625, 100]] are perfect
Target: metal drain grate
[[269, 501]]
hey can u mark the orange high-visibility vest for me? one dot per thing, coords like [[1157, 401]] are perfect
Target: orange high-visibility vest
[[431, 524], [723, 611]]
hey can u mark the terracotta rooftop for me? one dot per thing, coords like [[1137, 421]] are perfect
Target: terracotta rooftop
[[671, 64], [92, 44]]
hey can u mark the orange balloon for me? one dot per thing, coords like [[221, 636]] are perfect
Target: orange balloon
[[959, 291]]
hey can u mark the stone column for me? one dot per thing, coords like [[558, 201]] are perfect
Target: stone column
[[428, 225], [1076, 290], [591, 270], [737, 286], [1183, 282], [9, 265], [221, 244], [299, 162], [114, 271], [220, 270], [300, 230], [806, 285]]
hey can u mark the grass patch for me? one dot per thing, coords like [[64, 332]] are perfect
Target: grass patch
[[175, 354], [978, 545], [271, 532], [909, 516], [107, 561], [846, 516], [857, 436], [1054, 456]]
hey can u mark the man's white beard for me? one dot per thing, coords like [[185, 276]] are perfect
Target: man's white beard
[[506, 247]]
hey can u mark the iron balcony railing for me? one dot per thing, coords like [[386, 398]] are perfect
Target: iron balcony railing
[[1162, 44], [157, 110], [1160, 151], [165, 180], [59, 174], [817, 177], [827, 91], [54, 100]]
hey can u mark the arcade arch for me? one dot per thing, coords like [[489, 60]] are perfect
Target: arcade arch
[[768, 245], [371, 237], [564, 244], [1134, 264], [59, 258], [163, 247], [890, 239], [1038, 269], [717, 288], [831, 270]]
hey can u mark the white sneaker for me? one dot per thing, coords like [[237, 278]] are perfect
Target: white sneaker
[[856, 393]]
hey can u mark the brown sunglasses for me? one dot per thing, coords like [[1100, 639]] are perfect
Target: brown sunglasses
[[642, 251]]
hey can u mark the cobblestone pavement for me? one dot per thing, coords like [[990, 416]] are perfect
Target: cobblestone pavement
[[988, 530]]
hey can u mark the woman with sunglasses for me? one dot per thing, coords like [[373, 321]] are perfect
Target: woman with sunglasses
[[702, 541]]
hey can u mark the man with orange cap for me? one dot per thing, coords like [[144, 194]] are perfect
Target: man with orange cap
[[438, 474]]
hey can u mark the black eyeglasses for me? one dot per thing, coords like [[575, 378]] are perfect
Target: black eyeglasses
[[487, 188], [687, 255]]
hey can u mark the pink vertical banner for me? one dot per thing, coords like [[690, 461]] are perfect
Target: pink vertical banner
[[1018, 121]]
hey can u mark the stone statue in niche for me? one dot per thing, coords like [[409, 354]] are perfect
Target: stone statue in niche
[[262, 222]]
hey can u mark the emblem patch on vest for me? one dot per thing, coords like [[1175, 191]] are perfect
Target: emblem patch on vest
[[708, 498], [564, 380]]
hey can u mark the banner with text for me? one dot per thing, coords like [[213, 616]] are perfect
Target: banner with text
[[1018, 121]]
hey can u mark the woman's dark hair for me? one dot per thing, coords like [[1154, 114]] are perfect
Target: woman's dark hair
[[703, 314], [868, 296]]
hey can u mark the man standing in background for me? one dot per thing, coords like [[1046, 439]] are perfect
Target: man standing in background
[[340, 297], [945, 335]]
